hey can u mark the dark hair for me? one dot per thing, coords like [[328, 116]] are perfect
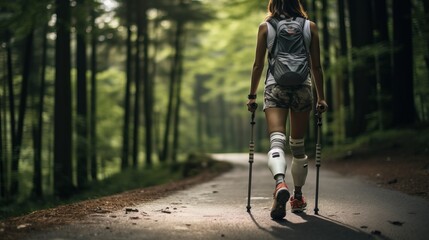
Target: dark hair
[[291, 8]]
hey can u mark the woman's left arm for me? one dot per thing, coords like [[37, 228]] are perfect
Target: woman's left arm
[[316, 68]]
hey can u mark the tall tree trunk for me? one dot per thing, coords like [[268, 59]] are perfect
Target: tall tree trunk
[[38, 127], [224, 136], [313, 14], [176, 127], [81, 97], [364, 82], [3, 147], [426, 9], [2, 159], [173, 75], [154, 67], [11, 95], [198, 93], [138, 81], [63, 172], [404, 112], [384, 68], [28, 53], [344, 81], [93, 111], [178, 101], [148, 89], [326, 66], [127, 107]]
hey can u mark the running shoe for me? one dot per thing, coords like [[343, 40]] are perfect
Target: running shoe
[[281, 196], [298, 205]]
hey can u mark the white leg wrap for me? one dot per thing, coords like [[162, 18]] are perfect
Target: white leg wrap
[[299, 170], [277, 161], [277, 140]]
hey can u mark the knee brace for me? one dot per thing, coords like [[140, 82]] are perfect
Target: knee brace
[[276, 155], [299, 170], [277, 140], [297, 147]]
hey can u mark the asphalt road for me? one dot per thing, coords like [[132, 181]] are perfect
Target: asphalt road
[[349, 208]]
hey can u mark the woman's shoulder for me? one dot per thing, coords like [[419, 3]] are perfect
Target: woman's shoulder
[[263, 26], [313, 26]]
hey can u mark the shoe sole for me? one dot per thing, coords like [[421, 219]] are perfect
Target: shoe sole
[[298, 210], [279, 210]]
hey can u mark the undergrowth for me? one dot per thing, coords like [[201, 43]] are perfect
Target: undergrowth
[[411, 141]]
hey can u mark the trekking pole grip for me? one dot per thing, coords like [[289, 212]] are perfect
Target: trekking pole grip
[[253, 106]]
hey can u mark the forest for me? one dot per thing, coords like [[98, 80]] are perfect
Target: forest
[[90, 88]]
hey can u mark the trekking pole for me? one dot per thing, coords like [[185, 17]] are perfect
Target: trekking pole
[[318, 158], [251, 153]]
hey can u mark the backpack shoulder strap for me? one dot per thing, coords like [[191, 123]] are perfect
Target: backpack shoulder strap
[[301, 21], [274, 22]]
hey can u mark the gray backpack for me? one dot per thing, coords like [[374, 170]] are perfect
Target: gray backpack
[[289, 60]]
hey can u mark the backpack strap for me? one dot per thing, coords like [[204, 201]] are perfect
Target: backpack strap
[[273, 21], [302, 21]]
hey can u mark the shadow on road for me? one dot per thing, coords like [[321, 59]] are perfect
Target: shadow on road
[[314, 227]]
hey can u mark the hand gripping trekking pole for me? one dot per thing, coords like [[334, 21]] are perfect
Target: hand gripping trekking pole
[[318, 158], [254, 106]]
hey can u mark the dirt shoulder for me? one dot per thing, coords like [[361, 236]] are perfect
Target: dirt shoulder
[[17, 227], [394, 169]]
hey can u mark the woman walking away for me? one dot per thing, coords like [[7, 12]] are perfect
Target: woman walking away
[[292, 43]]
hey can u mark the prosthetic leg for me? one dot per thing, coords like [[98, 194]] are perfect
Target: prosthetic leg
[[276, 155], [299, 161], [277, 166]]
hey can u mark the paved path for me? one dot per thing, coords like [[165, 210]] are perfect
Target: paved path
[[349, 209]]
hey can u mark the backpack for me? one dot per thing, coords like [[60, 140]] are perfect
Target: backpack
[[289, 59]]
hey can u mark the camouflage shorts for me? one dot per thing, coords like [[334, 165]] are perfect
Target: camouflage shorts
[[297, 98]]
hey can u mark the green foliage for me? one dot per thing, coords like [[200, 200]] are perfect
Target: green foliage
[[21, 16], [417, 142], [421, 51], [226, 53], [110, 95], [360, 58]]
